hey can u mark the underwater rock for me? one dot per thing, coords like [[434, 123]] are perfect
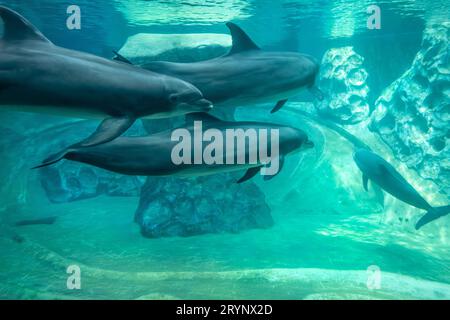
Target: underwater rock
[[412, 115], [146, 47], [193, 206], [343, 80], [70, 181]]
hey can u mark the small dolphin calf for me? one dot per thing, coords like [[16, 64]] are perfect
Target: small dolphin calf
[[383, 174], [246, 75], [37, 76], [153, 155]]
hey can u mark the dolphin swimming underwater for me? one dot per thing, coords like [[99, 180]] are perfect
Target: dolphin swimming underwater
[[38, 76], [246, 75], [383, 174], [152, 155]]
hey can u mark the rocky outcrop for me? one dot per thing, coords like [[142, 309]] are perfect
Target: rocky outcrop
[[211, 204], [343, 79], [412, 115], [69, 182], [144, 47]]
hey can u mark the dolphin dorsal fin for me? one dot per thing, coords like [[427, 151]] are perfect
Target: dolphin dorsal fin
[[17, 28], [202, 116], [241, 41]]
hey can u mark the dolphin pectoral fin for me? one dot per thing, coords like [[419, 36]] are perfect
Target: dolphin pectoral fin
[[17, 28], [279, 105], [121, 58], [431, 215], [250, 173], [365, 180], [280, 167], [108, 130], [241, 41], [378, 193], [317, 93]]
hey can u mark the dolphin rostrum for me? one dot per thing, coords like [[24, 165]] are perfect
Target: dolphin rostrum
[[383, 174], [246, 75], [38, 76], [153, 155]]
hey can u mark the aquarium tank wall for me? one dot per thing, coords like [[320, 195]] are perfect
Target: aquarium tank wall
[[332, 224]]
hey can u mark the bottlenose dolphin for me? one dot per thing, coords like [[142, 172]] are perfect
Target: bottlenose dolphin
[[383, 174], [152, 155], [38, 76], [246, 75]]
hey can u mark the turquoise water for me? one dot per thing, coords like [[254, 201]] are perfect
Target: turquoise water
[[326, 232]]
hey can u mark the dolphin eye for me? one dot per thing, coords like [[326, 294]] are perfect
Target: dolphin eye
[[174, 98], [192, 96]]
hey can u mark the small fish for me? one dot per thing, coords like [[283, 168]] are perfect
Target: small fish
[[48, 220]]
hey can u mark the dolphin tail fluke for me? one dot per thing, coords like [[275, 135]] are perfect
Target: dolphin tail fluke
[[107, 131], [431, 215], [54, 158]]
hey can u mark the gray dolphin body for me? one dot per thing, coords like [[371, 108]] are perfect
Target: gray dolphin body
[[379, 171], [38, 76], [246, 75], [152, 155]]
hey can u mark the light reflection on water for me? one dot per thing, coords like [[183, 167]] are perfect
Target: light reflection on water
[[181, 12], [290, 13]]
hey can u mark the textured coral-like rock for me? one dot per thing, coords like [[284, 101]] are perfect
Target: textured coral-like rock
[[412, 115], [343, 80], [211, 204], [143, 47], [69, 182]]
